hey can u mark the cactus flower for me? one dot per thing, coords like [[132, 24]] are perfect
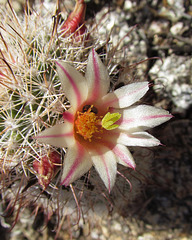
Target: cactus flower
[[100, 124]]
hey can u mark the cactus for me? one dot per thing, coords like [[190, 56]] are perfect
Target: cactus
[[32, 100]]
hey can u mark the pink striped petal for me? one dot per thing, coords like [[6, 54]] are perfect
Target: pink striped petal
[[69, 115], [142, 117], [76, 163], [125, 96], [97, 77], [124, 156], [105, 163], [60, 135], [142, 139], [73, 84]]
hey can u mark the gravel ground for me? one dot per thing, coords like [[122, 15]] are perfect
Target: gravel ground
[[163, 209]]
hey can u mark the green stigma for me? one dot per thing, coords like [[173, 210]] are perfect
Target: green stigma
[[109, 120]]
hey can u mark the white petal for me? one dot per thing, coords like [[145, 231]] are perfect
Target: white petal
[[60, 135], [76, 163], [97, 77], [106, 165], [142, 139], [124, 156], [125, 96], [142, 117], [73, 83]]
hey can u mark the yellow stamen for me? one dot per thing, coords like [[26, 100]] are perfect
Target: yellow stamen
[[87, 123]]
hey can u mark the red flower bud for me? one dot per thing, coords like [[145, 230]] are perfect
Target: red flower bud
[[46, 168], [75, 22]]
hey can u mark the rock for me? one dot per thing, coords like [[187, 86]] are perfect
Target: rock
[[173, 80]]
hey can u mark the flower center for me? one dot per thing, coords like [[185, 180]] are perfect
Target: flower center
[[87, 122]]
